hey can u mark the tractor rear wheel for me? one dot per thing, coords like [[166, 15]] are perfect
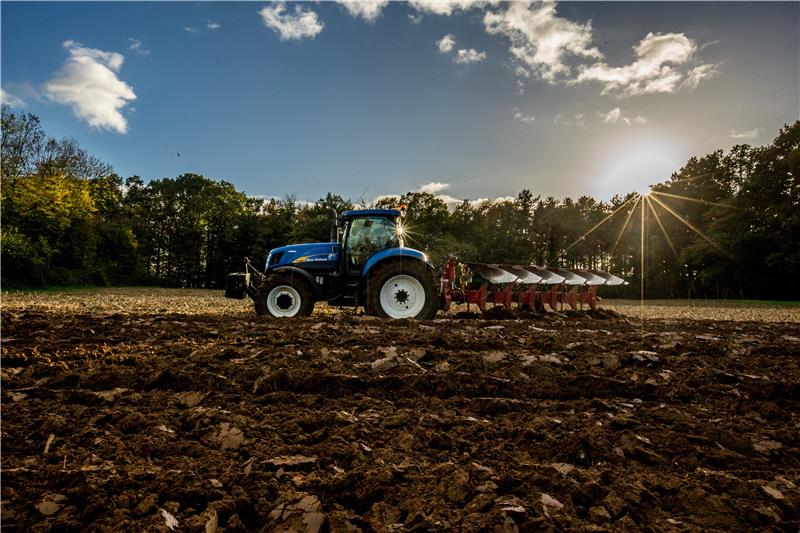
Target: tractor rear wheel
[[402, 290], [284, 295]]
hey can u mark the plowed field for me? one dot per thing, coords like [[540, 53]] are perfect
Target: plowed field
[[177, 410]]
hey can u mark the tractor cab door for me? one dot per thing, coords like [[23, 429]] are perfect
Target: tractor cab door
[[366, 236]]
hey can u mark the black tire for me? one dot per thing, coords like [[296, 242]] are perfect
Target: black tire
[[412, 268], [285, 279]]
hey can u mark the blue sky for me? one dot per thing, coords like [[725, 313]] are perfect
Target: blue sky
[[304, 98]]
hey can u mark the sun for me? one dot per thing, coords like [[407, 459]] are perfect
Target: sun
[[636, 168]]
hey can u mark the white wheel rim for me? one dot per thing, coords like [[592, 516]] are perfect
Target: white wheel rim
[[402, 296], [283, 300]]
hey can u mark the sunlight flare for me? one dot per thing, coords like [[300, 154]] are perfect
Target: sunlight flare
[[625, 225], [689, 225], [637, 165], [606, 219], [663, 230], [696, 200]]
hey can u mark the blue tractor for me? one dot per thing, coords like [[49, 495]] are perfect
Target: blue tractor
[[366, 263]]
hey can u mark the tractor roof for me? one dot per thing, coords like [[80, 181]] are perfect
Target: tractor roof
[[371, 212]]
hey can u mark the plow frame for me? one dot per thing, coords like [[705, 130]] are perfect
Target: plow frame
[[530, 297]]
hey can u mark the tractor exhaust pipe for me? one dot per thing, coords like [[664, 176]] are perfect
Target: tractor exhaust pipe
[[335, 226]]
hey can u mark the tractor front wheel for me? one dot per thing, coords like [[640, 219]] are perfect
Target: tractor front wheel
[[283, 295], [402, 290]]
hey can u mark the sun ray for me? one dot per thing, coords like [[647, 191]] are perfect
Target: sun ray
[[697, 200], [689, 225], [607, 218], [641, 272], [660, 225], [625, 225], [410, 237]]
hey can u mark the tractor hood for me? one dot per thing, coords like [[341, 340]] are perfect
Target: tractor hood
[[303, 254]]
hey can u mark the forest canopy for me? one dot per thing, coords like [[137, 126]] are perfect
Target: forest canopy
[[726, 224]]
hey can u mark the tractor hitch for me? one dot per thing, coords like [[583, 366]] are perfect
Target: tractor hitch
[[241, 284]]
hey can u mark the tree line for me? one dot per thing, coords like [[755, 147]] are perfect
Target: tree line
[[726, 224]]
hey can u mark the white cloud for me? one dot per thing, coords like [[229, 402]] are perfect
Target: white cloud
[[385, 197], [525, 119], [502, 199], [558, 50], [369, 10], [294, 25], [615, 116], [562, 120], [700, 73], [540, 40], [448, 7], [138, 46], [748, 134], [88, 83], [10, 100], [466, 57], [662, 65], [210, 24], [415, 18], [446, 44], [451, 201], [481, 202], [433, 187], [436, 187], [478, 202]]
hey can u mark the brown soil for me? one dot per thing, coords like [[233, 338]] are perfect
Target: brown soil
[[210, 422]]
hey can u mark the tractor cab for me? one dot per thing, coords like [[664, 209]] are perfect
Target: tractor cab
[[366, 232]]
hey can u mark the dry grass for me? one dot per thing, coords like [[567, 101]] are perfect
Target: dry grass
[[127, 300], [137, 300], [737, 311]]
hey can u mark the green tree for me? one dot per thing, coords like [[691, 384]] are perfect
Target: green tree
[[313, 222]]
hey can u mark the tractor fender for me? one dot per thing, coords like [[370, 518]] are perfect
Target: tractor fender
[[300, 272], [394, 254]]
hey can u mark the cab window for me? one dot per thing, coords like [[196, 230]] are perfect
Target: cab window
[[367, 236]]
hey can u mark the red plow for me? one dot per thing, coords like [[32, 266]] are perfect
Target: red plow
[[533, 288]]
